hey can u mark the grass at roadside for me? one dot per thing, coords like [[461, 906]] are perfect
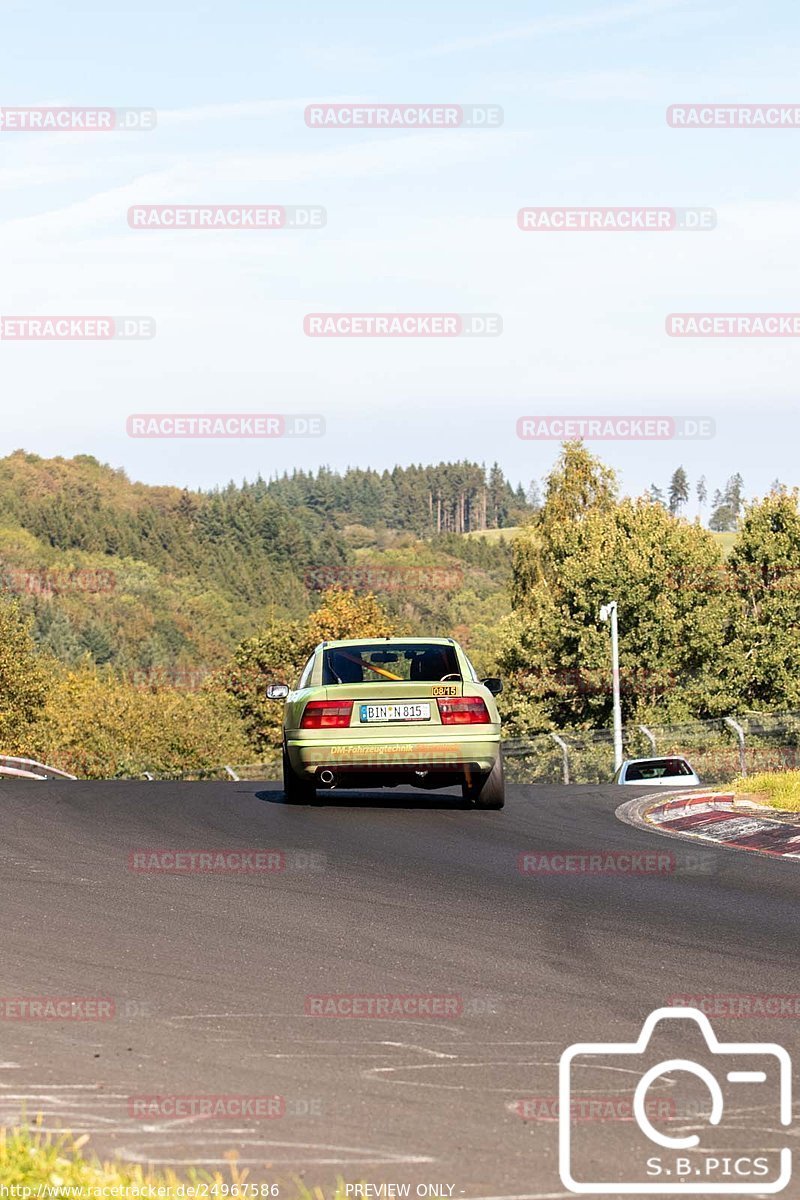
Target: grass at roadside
[[725, 541], [778, 789], [31, 1157], [508, 533]]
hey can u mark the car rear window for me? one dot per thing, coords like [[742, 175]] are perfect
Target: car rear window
[[657, 768], [379, 663]]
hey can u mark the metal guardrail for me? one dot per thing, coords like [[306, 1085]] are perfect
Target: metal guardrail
[[719, 748], [28, 768], [15, 773]]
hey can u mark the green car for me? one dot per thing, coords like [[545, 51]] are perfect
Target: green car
[[379, 712]]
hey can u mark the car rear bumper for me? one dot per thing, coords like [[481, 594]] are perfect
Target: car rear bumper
[[396, 754], [671, 781]]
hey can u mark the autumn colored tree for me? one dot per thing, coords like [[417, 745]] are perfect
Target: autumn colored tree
[[275, 655], [278, 652], [24, 679], [99, 726], [344, 614], [578, 484]]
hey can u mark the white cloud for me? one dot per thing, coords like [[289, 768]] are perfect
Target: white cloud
[[591, 85], [343, 58], [584, 332], [221, 178], [36, 175], [238, 110], [568, 23]]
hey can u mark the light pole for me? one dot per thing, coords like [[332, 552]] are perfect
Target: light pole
[[610, 610]]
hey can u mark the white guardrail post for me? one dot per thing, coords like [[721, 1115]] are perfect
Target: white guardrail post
[[564, 756], [737, 729]]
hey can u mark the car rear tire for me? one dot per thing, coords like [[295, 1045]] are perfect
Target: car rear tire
[[295, 789], [487, 791]]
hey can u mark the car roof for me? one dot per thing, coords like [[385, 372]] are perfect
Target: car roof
[[655, 758], [388, 641]]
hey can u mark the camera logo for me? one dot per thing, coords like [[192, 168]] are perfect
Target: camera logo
[[728, 1077]]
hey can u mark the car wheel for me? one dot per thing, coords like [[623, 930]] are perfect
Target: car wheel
[[295, 789], [487, 791]]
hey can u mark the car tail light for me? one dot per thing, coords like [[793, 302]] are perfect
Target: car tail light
[[465, 710], [327, 714]]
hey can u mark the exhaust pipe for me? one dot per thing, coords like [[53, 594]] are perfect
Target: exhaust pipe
[[327, 777]]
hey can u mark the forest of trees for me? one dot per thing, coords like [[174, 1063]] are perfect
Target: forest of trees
[[448, 498], [140, 625], [727, 504], [190, 574]]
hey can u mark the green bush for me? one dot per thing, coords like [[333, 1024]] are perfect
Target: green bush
[[98, 726], [23, 679]]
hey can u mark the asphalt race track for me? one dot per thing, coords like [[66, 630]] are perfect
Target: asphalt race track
[[385, 894]]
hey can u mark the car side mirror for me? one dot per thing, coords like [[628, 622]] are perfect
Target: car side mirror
[[277, 691], [493, 685]]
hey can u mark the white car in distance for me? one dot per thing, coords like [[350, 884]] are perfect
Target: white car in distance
[[663, 772]]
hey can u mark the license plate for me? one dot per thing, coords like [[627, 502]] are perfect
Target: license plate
[[395, 712]]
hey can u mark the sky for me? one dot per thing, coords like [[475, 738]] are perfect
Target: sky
[[417, 221]]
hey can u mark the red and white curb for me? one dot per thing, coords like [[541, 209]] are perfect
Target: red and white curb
[[716, 817]]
